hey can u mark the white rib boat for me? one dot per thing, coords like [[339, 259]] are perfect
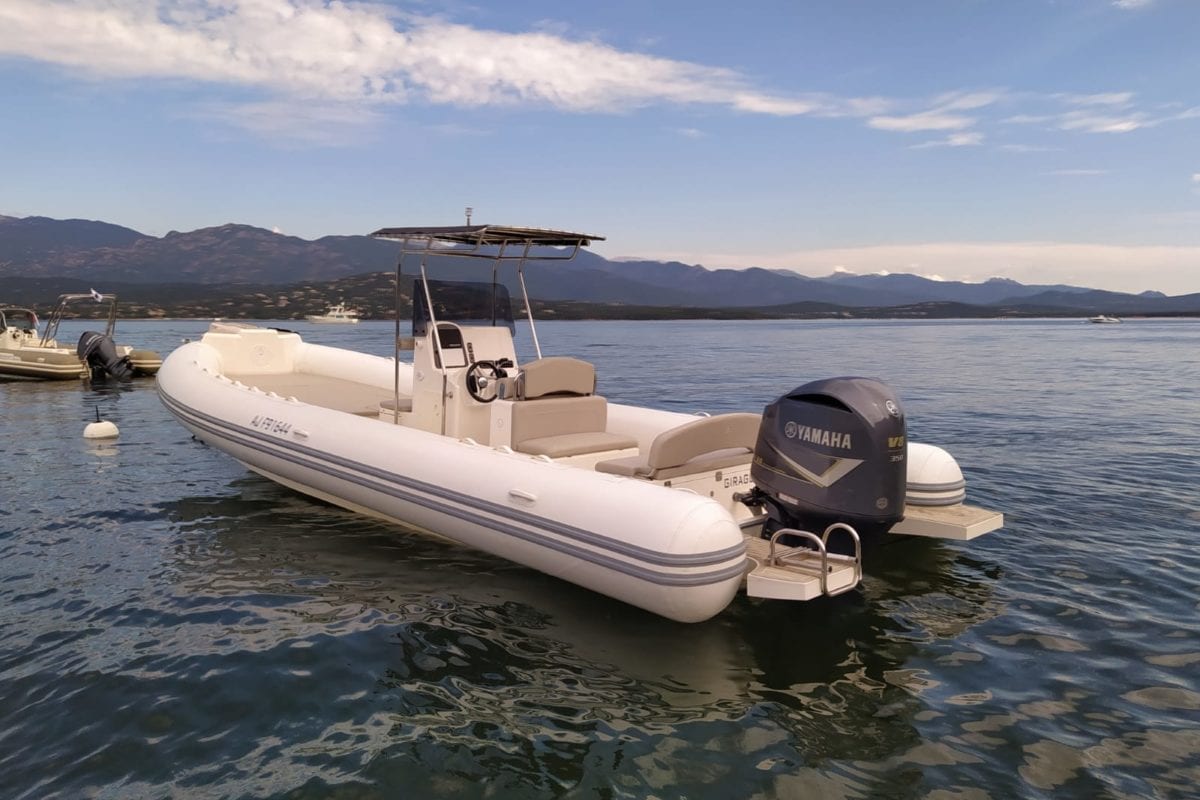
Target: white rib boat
[[669, 512]]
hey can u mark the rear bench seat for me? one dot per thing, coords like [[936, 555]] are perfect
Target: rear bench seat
[[709, 443]]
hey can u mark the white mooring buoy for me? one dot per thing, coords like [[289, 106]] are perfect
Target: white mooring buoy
[[100, 429]]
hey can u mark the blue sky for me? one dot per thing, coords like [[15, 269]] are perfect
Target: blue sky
[[1044, 140]]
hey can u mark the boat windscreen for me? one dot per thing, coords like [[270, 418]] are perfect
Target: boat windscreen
[[20, 318], [462, 302]]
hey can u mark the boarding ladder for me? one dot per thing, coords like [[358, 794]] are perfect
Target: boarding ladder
[[783, 572]]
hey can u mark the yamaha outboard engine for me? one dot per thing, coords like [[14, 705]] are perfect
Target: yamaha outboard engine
[[100, 353], [831, 451]]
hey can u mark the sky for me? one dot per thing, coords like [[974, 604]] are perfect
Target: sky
[[1046, 141]]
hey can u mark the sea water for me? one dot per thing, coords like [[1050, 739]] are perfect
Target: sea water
[[172, 625]]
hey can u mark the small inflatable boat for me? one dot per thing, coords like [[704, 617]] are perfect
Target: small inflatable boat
[[527, 461], [26, 353]]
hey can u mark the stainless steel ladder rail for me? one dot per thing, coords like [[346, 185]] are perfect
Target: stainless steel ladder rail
[[799, 559]]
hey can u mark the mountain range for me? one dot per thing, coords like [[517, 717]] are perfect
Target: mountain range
[[224, 258]]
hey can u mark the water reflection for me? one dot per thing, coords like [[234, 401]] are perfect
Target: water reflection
[[410, 650], [174, 627]]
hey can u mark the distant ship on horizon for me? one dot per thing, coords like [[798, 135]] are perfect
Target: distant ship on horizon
[[336, 313]]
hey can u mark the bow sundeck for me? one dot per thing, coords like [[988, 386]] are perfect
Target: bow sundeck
[[527, 460], [25, 353]]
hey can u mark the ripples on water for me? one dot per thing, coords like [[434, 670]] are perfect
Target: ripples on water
[[176, 626]]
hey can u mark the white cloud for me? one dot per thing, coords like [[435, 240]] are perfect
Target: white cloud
[[310, 68], [966, 101], [941, 116], [1108, 112], [1028, 119], [1119, 99], [1078, 172], [1085, 122], [352, 52], [1091, 123], [1126, 268], [865, 106], [1131, 4], [923, 121], [303, 53], [780, 107], [1196, 177], [964, 139]]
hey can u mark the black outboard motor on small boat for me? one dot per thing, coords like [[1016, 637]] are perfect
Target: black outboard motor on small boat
[[100, 353], [831, 451]]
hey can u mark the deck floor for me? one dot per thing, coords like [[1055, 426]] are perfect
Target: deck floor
[[321, 390]]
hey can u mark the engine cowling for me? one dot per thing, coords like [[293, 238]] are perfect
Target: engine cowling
[[100, 353], [830, 451]]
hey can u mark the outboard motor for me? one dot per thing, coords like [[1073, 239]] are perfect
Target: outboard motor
[[831, 451], [100, 353]]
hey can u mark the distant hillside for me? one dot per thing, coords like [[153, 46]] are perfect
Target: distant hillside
[[61, 244], [372, 294], [1089, 300], [994, 290], [37, 247], [239, 259]]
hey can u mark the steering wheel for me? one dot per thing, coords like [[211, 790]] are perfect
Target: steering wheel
[[481, 377]]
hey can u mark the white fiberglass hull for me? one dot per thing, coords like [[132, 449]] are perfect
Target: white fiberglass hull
[[672, 552]]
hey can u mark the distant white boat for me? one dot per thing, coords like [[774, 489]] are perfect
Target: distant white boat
[[336, 313], [1104, 319]]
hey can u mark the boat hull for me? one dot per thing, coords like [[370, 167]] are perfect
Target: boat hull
[[145, 362], [61, 364], [41, 364], [668, 551]]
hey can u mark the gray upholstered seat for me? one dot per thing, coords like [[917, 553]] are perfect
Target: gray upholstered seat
[[556, 375], [557, 413], [709, 443]]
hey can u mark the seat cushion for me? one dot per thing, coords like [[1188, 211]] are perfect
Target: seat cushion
[[573, 444], [555, 416], [702, 445], [630, 466], [556, 375], [638, 466], [682, 444]]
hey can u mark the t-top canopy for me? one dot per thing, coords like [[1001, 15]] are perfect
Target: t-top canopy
[[491, 235]]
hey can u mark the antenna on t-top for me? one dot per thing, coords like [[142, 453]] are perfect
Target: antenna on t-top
[[469, 210]]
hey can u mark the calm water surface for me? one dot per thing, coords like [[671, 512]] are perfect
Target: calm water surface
[[174, 626]]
